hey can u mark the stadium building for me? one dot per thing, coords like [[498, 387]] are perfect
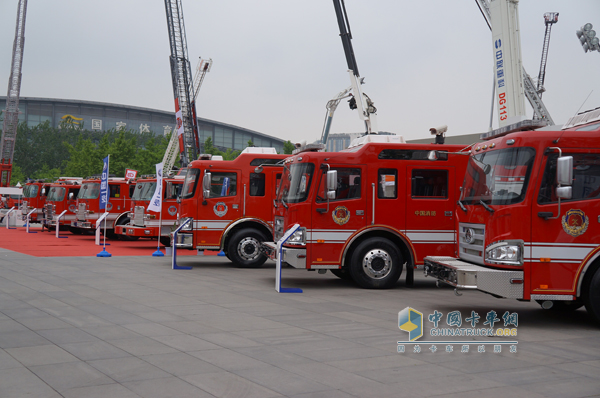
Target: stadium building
[[100, 116]]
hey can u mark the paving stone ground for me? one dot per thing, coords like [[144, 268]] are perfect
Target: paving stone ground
[[133, 327]]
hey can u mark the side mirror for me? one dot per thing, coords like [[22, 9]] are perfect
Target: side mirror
[[564, 192], [43, 191], [331, 184], [432, 155], [71, 195], [564, 170], [206, 185]]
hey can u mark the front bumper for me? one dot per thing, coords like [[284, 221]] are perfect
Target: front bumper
[[81, 224], [142, 232], [463, 275], [184, 241], [291, 256]]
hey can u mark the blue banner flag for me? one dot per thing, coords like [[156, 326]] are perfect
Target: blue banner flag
[[104, 184]]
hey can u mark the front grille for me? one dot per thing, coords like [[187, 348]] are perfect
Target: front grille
[[49, 211], [278, 228], [471, 242], [138, 216], [81, 211]]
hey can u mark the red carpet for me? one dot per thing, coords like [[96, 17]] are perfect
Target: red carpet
[[45, 244]]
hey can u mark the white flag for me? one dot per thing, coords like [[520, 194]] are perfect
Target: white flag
[[156, 201]]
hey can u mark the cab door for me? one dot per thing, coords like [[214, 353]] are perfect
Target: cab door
[[335, 220], [560, 242], [431, 194], [220, 208]]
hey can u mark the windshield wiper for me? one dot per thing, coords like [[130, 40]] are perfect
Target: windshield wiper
[[462, 206], [488, 208]]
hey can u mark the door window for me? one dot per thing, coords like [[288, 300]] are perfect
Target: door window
[[586, 178], [223, 184], [429, 184], [348, 184]]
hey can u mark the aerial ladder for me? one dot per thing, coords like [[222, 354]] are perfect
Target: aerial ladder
[[359, 101], [185, 139], [11, 115], [528, 86], [550, 18]]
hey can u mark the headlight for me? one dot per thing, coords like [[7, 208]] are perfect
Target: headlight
[[509, 252], [298, 237], [189, 226]]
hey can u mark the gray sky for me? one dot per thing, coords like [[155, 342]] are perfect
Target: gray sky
[[277, 62]]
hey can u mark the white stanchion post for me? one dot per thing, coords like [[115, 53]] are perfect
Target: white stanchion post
[[280, 243], [27, 222], [7, 218], [58, 224], [98, 225]]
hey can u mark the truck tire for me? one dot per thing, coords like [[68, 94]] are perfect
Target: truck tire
[[244, 250], [591, 295], [376, 264], [165, 241]]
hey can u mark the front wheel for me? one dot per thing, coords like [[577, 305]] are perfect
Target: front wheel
[[376, 264], [243, 248]]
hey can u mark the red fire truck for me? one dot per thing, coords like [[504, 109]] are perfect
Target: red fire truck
[[526, 218], [366, 211], [88, 205], [144, 223], [61, 195], [34, 197], [230, 203]]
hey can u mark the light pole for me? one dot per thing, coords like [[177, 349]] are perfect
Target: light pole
[[588, 39]]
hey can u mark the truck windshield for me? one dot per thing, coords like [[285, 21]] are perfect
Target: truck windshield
[[189, 184], [91, 190], [56, 194], [144, 190], [30, 191], [498, 177], [295, 183]]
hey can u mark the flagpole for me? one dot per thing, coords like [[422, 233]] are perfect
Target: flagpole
[[107, 196], [104, 179]]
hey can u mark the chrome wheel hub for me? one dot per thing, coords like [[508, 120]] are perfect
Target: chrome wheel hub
[[248, 248], [377, 263]]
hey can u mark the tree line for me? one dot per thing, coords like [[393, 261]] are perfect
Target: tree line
[[45, 152]]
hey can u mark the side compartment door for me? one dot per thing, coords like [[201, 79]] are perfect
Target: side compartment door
[[333, 224], [222, 206], [431, 194]]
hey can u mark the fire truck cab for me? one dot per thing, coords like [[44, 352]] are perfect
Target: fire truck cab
[[60, 196], [529, 218], [88, 204], [34, 197], [145, 224], [231, 204], [369, 210]]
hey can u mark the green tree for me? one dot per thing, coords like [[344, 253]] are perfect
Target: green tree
[[84, 160], [250, 143], [17, 175], [288, 147]]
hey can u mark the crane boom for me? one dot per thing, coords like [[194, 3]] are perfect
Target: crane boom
[[361, 102], [185, 107], [11, 115], [529, 88], [550, 18]]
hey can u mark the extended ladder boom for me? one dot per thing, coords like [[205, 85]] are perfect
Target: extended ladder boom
[[529, 88], [11, 115], [187, 126], [550, 18]]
